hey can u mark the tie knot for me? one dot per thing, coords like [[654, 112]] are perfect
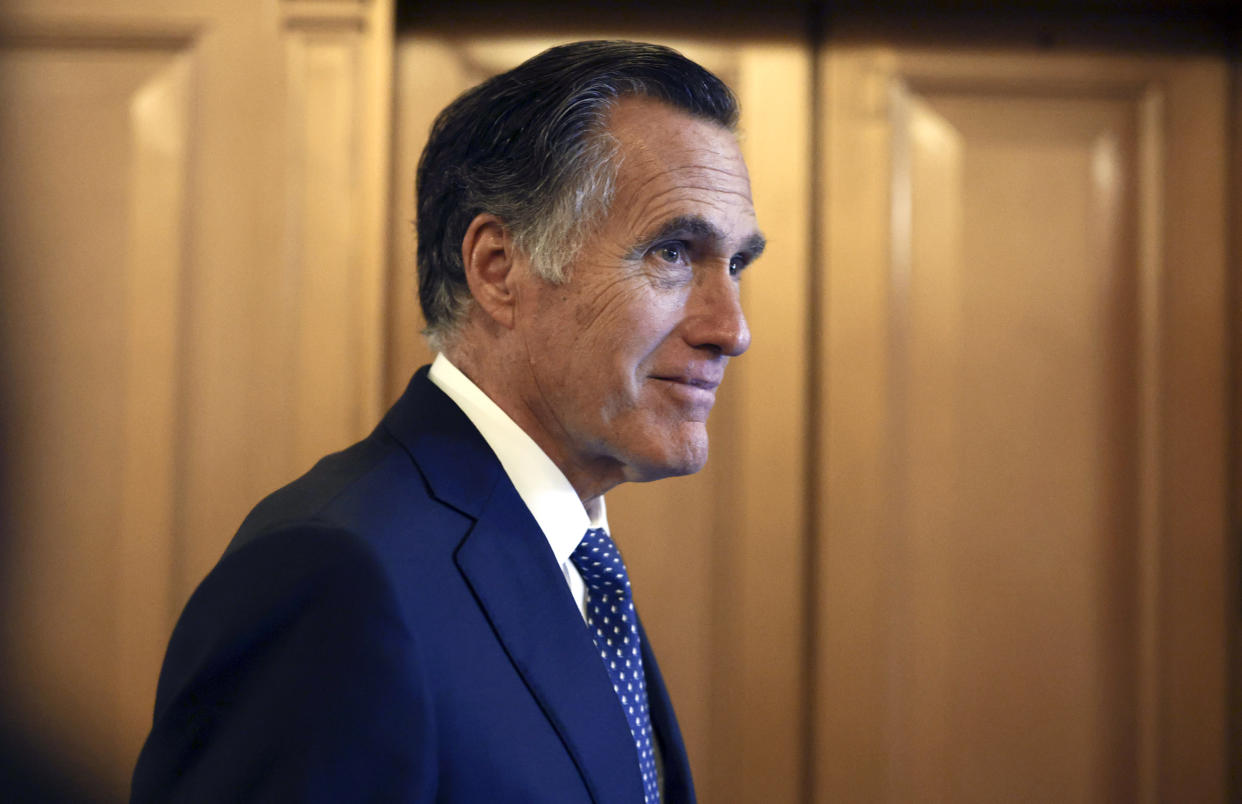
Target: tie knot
[[599, 561]]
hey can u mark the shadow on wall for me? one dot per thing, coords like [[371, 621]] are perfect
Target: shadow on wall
[[31, 771]]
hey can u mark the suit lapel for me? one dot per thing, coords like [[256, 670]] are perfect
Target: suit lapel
[[510, 567]]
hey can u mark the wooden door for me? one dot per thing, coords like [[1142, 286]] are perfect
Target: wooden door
[[716, 558], [1021, 577], [190, 234]]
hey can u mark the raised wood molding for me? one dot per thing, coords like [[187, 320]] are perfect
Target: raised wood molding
[[208, 322], [162, 121], [340, 14], [337, 79], [867, 744], [89, 578]]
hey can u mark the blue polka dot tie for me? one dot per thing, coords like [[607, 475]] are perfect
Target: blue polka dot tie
[[614, 626]]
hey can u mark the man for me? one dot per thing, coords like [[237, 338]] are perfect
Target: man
[[438, 613]]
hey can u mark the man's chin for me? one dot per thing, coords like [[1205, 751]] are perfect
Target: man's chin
[[676, 458]]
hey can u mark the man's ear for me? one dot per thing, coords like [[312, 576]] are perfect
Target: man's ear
[[490, 258]]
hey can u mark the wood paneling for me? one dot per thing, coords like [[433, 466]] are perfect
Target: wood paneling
[[1024, 360], [94, 204], [1013, 319], [191, 230], [337, 118]]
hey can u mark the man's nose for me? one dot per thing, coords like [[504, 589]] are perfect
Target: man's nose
[[716, 318]]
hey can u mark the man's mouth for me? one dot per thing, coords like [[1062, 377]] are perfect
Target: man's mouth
[[697, 390], [707, 380]]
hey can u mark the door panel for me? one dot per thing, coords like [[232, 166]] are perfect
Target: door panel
[[155, 310], [1007, 534], [95, 205]]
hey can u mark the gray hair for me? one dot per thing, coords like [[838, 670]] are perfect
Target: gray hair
[[531, 147]]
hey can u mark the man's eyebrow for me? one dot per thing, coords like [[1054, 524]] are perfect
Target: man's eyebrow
[[754, 246], [697, 227]]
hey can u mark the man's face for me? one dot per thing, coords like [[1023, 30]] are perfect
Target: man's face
[[623, 359]]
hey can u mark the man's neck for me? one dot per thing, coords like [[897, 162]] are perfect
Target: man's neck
[[590, 479]]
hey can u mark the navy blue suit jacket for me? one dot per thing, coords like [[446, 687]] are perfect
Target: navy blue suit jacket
[[393, 626]]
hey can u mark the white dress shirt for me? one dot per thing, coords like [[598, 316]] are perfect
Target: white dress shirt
[[541, 485]]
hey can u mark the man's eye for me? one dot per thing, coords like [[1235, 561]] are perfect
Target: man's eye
[[671, 252]]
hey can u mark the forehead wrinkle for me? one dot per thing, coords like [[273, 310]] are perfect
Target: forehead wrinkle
[[634, 187], [642, 163], [688, 174], [698, 193], [658, 208]]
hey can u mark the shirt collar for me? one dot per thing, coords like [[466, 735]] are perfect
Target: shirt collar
[[542, 486]]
